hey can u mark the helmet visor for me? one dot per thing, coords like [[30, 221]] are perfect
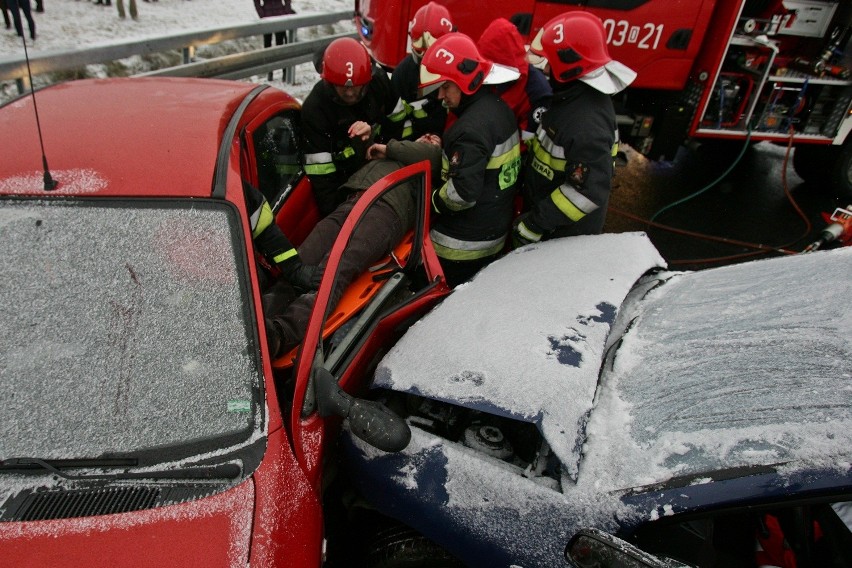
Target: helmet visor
[[536, 60], [421, 44], [499, 74], [429, 81], [610, 78]]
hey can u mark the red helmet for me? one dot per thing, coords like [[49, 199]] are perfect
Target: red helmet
[[346, 63], [573, 43], [428, 24], [454, 57]]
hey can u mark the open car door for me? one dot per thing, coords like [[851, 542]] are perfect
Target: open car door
[[409, 287]]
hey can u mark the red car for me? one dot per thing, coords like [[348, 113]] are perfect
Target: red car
[[143, 422]]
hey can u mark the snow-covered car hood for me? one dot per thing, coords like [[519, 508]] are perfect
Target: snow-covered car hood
[[513, 342], [214, 531]]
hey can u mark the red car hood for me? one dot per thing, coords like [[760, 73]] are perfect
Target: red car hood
[[210, 532]]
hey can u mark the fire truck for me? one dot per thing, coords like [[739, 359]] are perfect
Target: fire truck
[[727, 71]]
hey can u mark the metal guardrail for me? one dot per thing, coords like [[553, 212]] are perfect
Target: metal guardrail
[[235, 66], [242, 65]]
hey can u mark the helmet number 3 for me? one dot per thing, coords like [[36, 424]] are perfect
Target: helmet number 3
[[446, 55], [560, 33], [350, 69]]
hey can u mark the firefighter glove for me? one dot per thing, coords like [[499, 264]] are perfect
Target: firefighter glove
[[525, 231]]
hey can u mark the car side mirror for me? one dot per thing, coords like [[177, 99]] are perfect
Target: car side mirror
[[371, 421], [593, 547]]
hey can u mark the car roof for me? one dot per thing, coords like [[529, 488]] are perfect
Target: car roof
[[129, 136]]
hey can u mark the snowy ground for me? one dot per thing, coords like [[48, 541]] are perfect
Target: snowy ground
[[67, 25]]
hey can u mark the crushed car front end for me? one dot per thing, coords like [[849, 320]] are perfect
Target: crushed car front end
[[603, 391]]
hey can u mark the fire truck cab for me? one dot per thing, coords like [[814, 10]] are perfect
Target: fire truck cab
[[736, 70]]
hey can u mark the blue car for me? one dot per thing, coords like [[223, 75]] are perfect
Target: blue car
[[703, 417]]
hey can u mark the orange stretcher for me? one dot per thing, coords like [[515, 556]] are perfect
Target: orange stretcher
[[357, 295]]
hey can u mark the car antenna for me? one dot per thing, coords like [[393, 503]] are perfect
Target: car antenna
[[49, 183]]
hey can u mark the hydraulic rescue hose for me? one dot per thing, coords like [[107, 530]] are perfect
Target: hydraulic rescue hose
[[758, 248]]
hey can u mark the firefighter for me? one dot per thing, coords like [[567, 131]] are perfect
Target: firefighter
[[379, 231], [343, 114], [568, 172], [423, 114], [274, 245], [530, 95], [481, 157]]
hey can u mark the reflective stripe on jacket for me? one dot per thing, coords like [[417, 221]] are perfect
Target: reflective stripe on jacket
[[330, 155], [568, 176], [481, 163]]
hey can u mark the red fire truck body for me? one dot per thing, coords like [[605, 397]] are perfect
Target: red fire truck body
[[739, 70]]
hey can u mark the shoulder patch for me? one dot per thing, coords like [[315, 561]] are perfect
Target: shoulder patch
[[455, 162], [577, 173]]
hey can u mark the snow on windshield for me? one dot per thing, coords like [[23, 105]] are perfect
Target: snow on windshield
[[124, 328], [741, 365]]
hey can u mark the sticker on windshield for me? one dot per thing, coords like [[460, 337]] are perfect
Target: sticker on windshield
[[239, 406]]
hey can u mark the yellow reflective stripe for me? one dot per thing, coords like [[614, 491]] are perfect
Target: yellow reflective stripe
[[279, 258], [548, 145], [407, 129], [547, 159], [497, 162], [320, 169], [456, 249], [528, 233], [505, 152], [452, 199], [571, 202], [399, 112], [416, 109], [506, 157], [320, 163], [615, 144], [287, 169], [261, 219]]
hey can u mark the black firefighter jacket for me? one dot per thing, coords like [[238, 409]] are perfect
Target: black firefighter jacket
[[330, 155], [568, 177], [481, 163]]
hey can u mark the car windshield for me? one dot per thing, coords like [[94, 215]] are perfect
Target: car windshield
[[745, 365], [125, 328]]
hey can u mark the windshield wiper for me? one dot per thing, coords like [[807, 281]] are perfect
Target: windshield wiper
[[56, 466], [221, 471]]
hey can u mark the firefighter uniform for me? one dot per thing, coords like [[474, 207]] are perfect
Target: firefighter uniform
[[271, 241], [569, 170], [481, 163], [422, 115], [331, 156]]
